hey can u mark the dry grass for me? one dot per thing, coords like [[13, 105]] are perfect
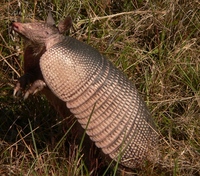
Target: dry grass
[[156, 43]]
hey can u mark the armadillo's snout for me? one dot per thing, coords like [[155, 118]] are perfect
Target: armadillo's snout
[[16, 26]]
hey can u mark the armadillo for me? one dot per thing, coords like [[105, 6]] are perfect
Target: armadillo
[[105, 102]]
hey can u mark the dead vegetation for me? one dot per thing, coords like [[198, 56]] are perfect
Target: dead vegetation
[[156, 43]]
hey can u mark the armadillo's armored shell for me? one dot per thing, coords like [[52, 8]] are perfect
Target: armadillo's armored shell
[[95, 91]]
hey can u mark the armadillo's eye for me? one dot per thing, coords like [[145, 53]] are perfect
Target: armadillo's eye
[[46, 32]]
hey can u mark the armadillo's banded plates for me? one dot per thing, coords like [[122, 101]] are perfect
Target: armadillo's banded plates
[[105, 102]]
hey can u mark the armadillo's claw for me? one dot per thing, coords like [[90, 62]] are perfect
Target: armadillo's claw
[[37, 86], [26, 95], [17, 90]]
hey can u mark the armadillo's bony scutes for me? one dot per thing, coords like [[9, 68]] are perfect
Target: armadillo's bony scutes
[[104, 101]]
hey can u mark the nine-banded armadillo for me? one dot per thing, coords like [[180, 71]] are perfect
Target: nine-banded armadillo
[[105, 102]]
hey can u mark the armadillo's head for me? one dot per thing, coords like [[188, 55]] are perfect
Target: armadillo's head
[[38, 33], [45, 33]]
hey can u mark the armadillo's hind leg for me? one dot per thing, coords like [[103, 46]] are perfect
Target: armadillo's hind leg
[[37, 86]]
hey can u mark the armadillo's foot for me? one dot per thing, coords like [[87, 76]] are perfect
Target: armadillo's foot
[[37, 86], [23, 81]]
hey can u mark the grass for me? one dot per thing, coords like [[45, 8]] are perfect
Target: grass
[[155, 43]]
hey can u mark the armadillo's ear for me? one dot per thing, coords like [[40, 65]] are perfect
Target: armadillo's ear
[[50, 19], [64, 25]]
